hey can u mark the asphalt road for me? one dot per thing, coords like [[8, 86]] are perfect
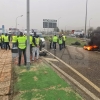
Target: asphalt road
[[85, 62]]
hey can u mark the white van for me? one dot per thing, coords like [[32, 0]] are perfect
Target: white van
[[78, 32]]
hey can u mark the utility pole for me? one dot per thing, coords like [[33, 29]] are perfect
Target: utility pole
[[28, 34], [86, 19]]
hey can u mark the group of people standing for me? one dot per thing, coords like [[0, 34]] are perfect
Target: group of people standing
[[21, 43], [60, 40], [4, 41]]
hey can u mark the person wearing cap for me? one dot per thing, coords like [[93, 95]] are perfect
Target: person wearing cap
[[22, 44], [54, 39], [6, 41], [64, 40]]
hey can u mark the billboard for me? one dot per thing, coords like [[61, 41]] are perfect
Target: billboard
[[48, 23]]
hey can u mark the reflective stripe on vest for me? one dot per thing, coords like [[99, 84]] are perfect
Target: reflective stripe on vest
[[55, 38], [14, 39], [37, 40], [22, 42], [60, 41], [31, 39], [6, 39]]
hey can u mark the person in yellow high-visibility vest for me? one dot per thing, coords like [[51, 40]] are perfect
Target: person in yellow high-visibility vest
[[33, 48], [31, 44], [60, 42], [54, 39], [37, 41], [22, 44], [64, 40], [0, 42], [14, 40], [50, 41], [6, 41]]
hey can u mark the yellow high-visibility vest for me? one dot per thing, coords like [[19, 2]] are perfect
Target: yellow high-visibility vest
[[31, 39], [37, 40], [14, 39], [64, 38], [0, 39], [55, 38], [22, 42], [6, 39]]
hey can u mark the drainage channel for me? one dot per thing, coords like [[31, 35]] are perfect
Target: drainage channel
[[81, 84]]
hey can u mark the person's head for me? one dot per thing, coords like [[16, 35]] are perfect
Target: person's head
[[21, 34], [37, 36], [6, 34], [34, 33]]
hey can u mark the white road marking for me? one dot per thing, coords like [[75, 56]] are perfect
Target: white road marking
[[75, 82], [83, 77]]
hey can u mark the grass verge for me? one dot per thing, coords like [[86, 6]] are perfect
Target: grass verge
[[42, 83], [70, 40]]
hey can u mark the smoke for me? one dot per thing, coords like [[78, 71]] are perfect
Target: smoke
[[95, 37]]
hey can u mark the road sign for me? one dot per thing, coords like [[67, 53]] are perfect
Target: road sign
[[48, 23]]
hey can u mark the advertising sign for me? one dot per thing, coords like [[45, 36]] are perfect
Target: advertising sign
[[48, 23]]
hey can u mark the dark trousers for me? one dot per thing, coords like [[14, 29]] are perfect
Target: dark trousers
[[50, 45], [54, 45], [60, 46], [1, 45], [20, 54], [7, 45], [63, 44]]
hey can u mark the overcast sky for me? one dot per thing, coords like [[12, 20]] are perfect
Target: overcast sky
[[72, 13]]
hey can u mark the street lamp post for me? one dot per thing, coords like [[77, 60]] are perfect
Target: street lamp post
[[28, 34], [89, 22], [58, 22], [16, 22], [86, 18]]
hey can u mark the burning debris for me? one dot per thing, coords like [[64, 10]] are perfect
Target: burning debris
[[94, 43]]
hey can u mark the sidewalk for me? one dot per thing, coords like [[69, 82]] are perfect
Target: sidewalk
[[5, 73]]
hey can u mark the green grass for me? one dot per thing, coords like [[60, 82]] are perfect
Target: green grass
[[70, 40], [42, 83]]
